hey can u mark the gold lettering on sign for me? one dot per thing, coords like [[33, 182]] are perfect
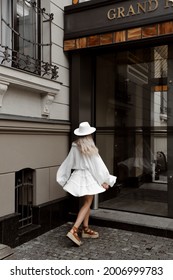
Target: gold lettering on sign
[[168, 3], [131, 11], [111, 14], [141, 7], [120, 12], [153, 5], [135, 9]]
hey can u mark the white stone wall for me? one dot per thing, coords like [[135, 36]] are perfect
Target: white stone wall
[[25, 143], [60, 108], [24, 97]]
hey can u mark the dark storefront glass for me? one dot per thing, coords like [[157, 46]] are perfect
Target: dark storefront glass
[[132, 121]]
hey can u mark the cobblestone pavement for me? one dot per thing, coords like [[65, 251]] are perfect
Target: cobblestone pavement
[[113, 244]]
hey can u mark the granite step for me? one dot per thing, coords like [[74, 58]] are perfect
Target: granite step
[[5, 251]]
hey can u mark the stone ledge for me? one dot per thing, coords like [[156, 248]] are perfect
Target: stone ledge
[[28, 80], [5, 251], [155, 225]]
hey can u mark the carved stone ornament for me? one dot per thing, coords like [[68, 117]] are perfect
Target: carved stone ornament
[[47, 101], [3, 90]]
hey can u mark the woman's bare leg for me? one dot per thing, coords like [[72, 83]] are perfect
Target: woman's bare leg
[[86, 219], [83, 216], [84, 212]]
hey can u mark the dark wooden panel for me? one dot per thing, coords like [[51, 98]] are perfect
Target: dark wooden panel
[[93, 41], [138, 33], [134, 33], [150, 31], [120, 36], [165, 28], [106, 39]]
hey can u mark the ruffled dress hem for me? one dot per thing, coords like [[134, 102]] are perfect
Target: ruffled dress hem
[[81, 183]]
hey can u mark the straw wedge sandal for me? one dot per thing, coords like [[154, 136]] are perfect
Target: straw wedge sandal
[[73, 236], [89, 233]]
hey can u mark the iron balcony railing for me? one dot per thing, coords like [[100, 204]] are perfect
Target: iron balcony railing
[[10, 54]]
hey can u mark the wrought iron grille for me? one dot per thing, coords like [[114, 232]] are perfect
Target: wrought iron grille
[[24, 197], [17, 49]]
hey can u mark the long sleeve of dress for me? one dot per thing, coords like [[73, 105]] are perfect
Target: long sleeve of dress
[[99, 171], [65, 168], [77, 161]]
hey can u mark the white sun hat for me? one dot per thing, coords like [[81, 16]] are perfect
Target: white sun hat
[[84, 129]]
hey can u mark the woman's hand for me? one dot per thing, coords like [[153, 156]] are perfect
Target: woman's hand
[[105, 186]]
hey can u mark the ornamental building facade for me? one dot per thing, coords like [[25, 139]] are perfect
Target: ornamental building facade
[[34, 117], [108, 62]]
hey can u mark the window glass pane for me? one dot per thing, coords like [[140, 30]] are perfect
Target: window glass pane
[[105, 90], [132, 126], [26, 27], [131, 105], [25, 37]]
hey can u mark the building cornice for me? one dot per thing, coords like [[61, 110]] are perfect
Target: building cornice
[[47, 88]]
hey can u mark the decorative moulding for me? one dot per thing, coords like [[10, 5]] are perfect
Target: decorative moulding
[[47, 101], [163, 117], [28, 80], [47, 88], [3, 90]]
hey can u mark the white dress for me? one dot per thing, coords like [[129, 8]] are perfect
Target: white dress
[[81, 175]]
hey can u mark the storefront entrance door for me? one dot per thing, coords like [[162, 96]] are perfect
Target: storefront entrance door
[[134, 124]]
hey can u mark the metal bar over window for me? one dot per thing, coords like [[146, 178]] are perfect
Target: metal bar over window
[[24, 197], [28, 51]]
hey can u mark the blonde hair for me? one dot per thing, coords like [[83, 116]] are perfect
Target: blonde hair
[[86, 145]]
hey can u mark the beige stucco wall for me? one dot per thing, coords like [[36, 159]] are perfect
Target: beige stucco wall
[[31, 151], [41, 147], [7, 194], [46, 177]]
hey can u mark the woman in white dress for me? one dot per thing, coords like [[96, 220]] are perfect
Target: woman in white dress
[[90, 176]]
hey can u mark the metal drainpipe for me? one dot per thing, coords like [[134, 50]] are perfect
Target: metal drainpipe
[[95, 202]]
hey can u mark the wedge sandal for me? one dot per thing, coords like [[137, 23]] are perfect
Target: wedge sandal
[[89, 233], [73, 236]]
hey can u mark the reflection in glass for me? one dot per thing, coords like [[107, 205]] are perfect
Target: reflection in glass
[[131, 110]]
